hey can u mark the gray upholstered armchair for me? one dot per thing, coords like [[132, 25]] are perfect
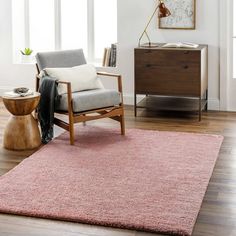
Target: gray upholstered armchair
[[98, 103]]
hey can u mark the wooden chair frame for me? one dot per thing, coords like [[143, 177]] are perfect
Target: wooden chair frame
[[114, 112]]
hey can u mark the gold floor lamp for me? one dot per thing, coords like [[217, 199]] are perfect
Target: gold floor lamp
[[163, 12]]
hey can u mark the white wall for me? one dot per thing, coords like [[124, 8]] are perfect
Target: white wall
[[132, 17]]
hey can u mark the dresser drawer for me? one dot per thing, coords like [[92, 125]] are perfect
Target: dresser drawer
[[163, 57], [171, 73], [175, 80]]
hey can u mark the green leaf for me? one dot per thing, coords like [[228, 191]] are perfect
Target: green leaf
[[27, 51]]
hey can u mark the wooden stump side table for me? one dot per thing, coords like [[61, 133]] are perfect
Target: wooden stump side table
[[21, 132]]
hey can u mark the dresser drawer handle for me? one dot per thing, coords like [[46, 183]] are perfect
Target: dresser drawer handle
[[186, 67], [186, 52], [148, 65]]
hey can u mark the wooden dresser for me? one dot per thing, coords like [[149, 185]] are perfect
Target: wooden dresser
[[171, 78]]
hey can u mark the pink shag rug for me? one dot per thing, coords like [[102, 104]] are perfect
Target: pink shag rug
[[148, 180]]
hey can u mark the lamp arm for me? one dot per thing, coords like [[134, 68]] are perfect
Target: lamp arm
[[145, 29], [147, 37]]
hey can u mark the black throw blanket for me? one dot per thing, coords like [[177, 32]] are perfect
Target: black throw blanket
[[46, 108]]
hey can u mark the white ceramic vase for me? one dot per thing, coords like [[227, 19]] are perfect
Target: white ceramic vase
[[27, 58]]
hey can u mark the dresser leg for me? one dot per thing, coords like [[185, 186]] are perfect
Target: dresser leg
[[135, 105], [200, 109], [206, 107]]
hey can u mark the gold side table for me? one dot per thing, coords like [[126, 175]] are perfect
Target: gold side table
[[22, 131]]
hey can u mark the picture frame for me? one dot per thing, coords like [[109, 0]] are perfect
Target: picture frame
[[183, 15]]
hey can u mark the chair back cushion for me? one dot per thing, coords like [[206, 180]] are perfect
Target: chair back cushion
[[64, 58], [83, 77]]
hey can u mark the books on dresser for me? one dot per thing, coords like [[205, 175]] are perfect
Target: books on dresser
[[180, 45]]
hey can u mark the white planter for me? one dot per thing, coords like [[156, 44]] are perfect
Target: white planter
[[27, 58]]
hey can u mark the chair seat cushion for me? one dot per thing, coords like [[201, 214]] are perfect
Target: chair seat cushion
[[90, 99]]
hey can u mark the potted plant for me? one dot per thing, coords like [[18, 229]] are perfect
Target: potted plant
[[27, 55]]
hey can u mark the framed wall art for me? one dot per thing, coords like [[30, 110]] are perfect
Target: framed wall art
[[183, 15]]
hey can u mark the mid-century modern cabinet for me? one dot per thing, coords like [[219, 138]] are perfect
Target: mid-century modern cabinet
[[171, 78]]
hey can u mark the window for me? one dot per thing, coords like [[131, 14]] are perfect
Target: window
[[74, 31], [103, 24], [45, 25], [41, 27]]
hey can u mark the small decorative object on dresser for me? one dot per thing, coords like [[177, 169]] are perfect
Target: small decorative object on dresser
[[183, 15], [178, 75], [181, 45]]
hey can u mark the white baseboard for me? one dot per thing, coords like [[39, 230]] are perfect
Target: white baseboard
[[213, 104], [129, 99]]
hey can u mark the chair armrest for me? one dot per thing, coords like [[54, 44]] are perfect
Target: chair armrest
[[63, 82], [108, 74], [69, 92], [69, 95], [119, 78], [59, 82], [37, 82]]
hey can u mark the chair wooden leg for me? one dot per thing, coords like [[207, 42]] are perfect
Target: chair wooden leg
[[122, 124], [72, 134], [84, 122], [71, 114], [71, 129]]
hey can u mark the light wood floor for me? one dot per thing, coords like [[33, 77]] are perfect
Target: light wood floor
[[218, 213]]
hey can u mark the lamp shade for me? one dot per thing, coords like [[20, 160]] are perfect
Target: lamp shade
[[163, 11]]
